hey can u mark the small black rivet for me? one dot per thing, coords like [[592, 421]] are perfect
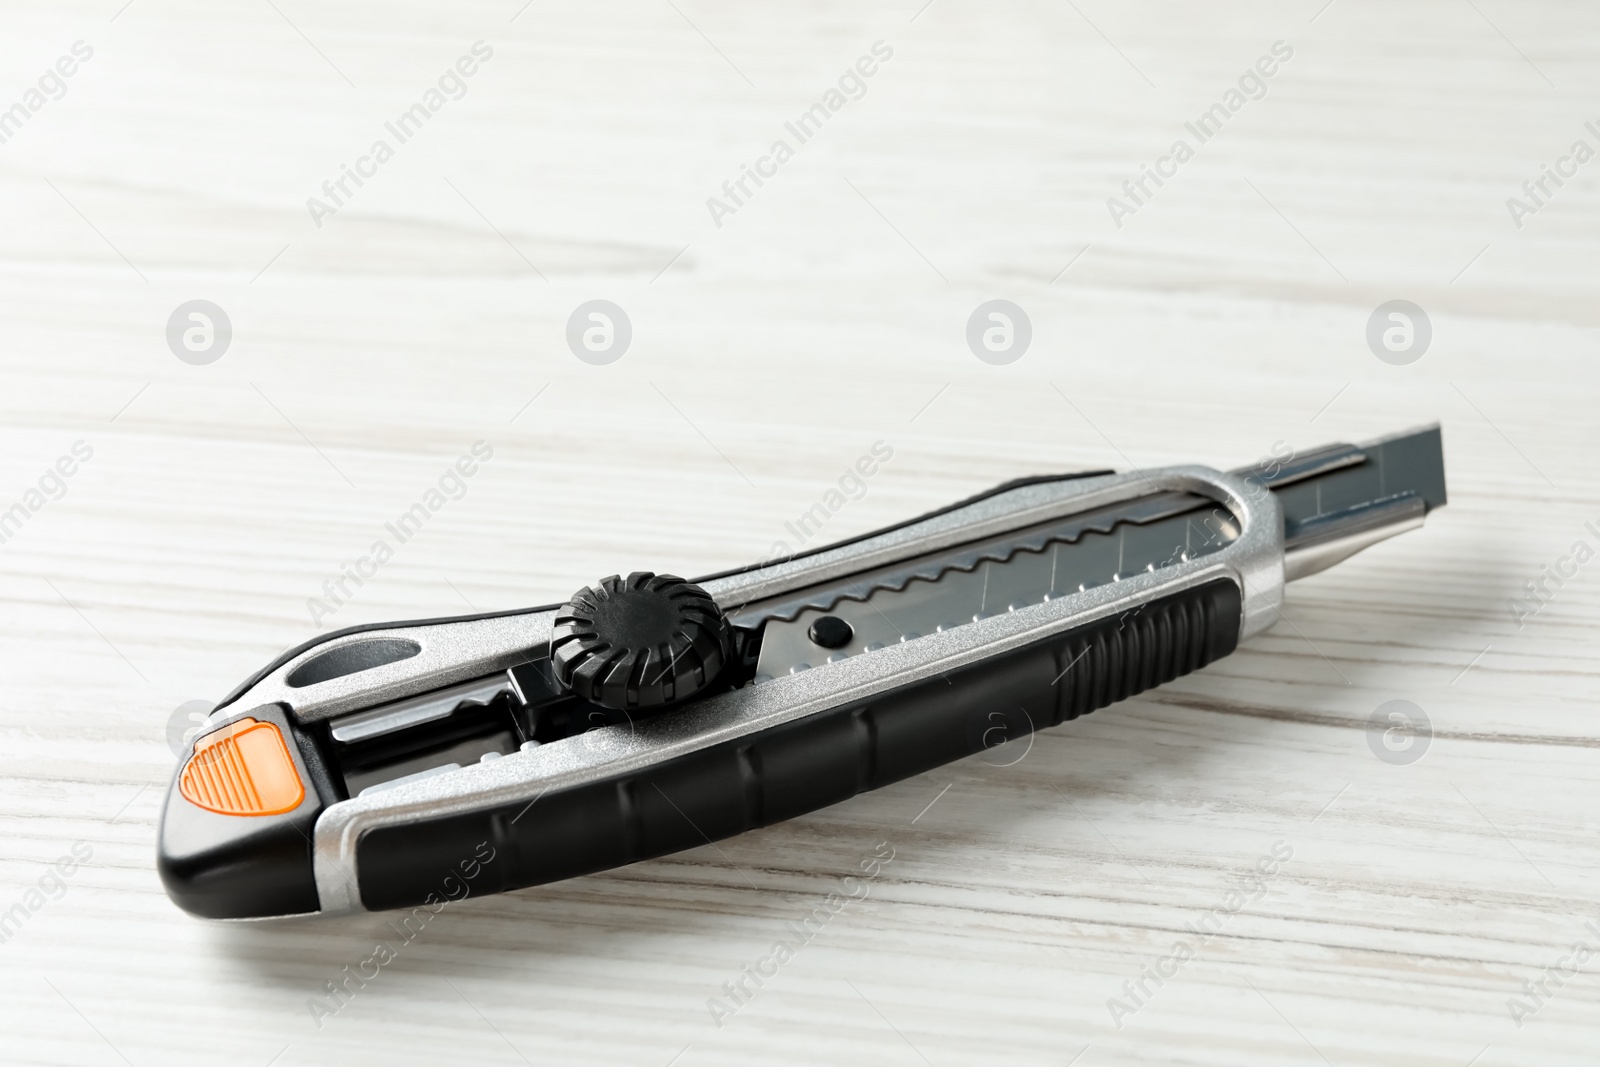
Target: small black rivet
[[830, 631]]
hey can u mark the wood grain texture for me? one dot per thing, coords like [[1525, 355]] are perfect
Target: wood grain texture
[[827, 313]]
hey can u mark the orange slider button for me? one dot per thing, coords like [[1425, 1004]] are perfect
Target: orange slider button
[[242, 769]]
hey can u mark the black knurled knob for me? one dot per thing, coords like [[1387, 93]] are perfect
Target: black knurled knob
[[649, 640]]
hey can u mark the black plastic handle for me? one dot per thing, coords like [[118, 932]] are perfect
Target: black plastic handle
[[802, 766]]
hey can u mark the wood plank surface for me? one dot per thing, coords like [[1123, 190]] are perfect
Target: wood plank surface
[[1066, 905]]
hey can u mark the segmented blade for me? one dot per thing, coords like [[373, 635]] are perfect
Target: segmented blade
[[972, 582]]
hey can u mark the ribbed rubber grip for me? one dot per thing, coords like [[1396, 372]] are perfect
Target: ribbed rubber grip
[[802, 766]]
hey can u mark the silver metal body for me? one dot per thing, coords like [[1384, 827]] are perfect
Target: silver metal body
[[420, 721], [464, 661]]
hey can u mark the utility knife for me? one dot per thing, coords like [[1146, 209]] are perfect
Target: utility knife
[[404, 764]]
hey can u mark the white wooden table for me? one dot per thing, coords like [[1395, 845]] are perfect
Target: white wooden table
[[1024, 903]]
